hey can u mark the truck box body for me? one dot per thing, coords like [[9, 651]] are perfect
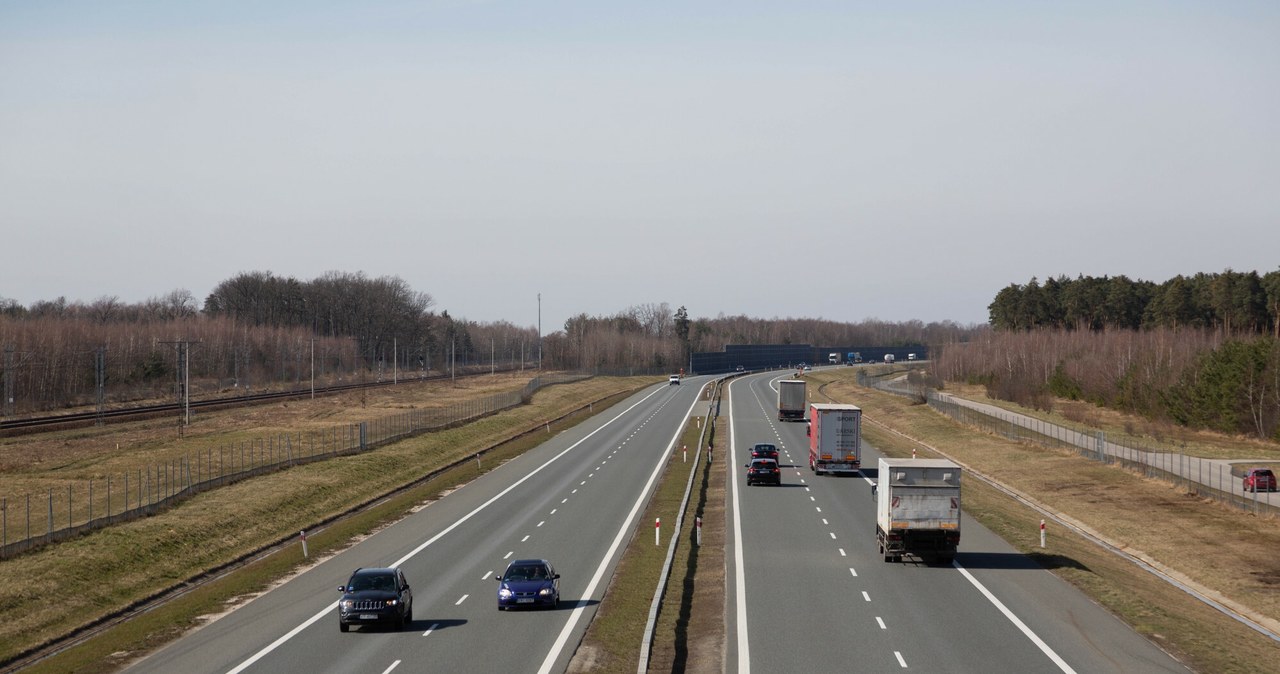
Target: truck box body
[[835, 438], [888, 357], [918, 508], [833, 358], [791, 399]]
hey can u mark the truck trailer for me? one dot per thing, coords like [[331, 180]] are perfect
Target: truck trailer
[[835, 438], [791, 399], [918, 509], [833, 358]]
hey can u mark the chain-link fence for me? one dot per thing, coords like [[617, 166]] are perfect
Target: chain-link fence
[[1210, 478], [57, 515]]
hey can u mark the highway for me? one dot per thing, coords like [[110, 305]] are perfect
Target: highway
[[573, 500], [808, 590]]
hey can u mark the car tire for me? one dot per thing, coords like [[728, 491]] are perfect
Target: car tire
[[343, 627], [408, 615]]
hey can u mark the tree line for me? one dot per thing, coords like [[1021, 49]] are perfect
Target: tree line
[[1196, 377], [258, 330], [1231, 301]]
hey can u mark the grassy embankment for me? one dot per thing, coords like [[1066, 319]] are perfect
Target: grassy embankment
[[99, 574], [1228, 552]]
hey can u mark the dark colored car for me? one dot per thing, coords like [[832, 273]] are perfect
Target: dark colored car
[[764, 450], [764, 471], [529, 582], [375, 597], [1259, 479]]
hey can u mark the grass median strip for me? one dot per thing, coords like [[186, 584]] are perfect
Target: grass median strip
[[100, 574]]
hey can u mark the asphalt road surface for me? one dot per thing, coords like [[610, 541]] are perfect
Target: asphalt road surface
[[808, 589], [572, 500]]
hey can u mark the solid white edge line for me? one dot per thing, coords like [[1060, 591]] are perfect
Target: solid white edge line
[[330, 608], [1035, 639], [739, 581], [623, 531]]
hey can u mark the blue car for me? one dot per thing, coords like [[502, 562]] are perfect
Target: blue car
[[529, 582]]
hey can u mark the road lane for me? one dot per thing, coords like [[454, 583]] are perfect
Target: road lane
[[817, 592], [565, 500]]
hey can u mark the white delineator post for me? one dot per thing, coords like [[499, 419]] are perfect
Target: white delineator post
[[684, 452], [303, 536], [1042, 533], [657, 531], [697, 523]]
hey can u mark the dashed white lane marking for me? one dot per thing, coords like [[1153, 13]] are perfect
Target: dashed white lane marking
[[582, 483], [818, 508], [431, 629], [487, 574], [902, 662], [842, 552], [526, 537], [393, 666], [553, 510], [508, 555], [853, 571], [459, 602], [541, 523], [865, 596], [575, 490], [812, 498], [825, 523], [833, 535], [564, 500], [880, 622]]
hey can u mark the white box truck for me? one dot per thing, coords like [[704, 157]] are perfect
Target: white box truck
[[888, 358], [918, 509], [835, 438], [833, 358], [791, 399]]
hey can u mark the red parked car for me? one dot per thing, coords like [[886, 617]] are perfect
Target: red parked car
[[1259, 479]]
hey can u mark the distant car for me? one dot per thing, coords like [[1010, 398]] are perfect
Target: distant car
[[764, 471], [739, 369], [764, 450], [808, 369], [375, 596], [1259, 479], [529, 582], [673, 380]]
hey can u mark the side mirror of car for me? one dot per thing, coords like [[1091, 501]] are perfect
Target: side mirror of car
[[342, 588], [556, 577]]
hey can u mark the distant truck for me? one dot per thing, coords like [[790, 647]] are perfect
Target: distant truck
[[918, 509], [791, 399], [833, 358], [888, 358], [835, 438], [853, 357]]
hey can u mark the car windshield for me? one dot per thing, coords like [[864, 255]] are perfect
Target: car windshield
[[526, 573], [384, 583], [1263, 473]]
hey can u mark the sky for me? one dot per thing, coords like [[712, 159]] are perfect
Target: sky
[[844, 160]]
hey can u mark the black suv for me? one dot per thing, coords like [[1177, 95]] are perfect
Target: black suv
[[764, 471], [375, 596]]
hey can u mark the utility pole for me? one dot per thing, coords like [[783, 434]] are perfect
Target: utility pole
[[100, 378], [184, 376]]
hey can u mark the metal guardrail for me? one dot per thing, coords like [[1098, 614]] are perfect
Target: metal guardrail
[[157, 487]]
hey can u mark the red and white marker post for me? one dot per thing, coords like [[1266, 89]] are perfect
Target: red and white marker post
[[303, 536], [657, 531], [1042, 533]]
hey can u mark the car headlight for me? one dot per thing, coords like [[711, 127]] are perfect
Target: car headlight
[[504, 593], [391, 602], [546, 592], [345, 604]]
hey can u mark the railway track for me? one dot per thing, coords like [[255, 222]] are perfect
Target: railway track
[[25, 425]]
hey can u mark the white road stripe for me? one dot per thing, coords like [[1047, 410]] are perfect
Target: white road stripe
[[431, 629], [842, 552], [487, 574], [739, 582], [866, 596], [393, 666], [880, 622], [459, 602], [902, 662], [1044, 648], [853, 571]]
